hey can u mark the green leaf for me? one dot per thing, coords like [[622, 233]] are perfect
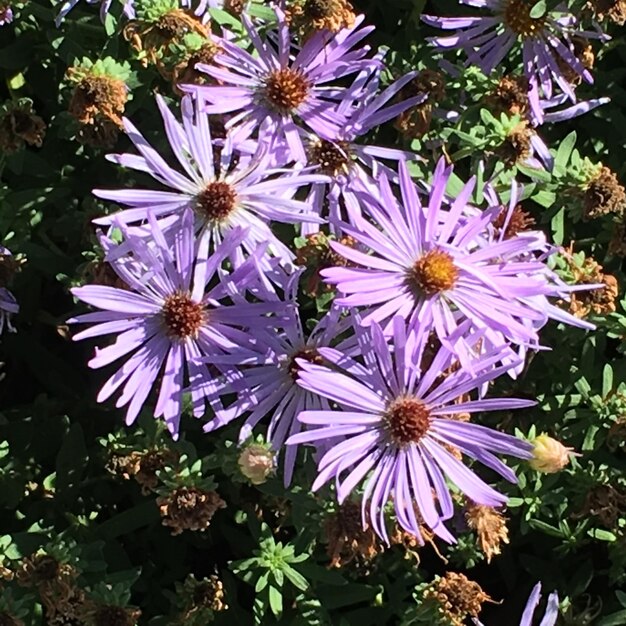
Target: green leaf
[[296, 579], [564, 152], [601, 535], [615, 619], [539, 10], [72, 458], [276, 600]]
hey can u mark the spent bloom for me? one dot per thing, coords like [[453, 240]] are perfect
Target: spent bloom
[[256, 462], [167, 320], [547, 42], [275, 90], [438, 265], [395, 430], [222, 185], [8, 304]]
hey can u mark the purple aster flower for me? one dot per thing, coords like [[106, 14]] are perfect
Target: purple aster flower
[[275, 90], [349, 165], [266, 384], [437, 266], [553, 111], [547, 44], [221, 185], [550, 616], [394, 428], [6, 14], [167, 320], [8, 304]]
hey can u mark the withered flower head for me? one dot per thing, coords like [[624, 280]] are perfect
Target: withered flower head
[[603, 194], [256, 462], [516, 147], [347, 540], [111, 615], [19, 125], [142, 466], [599, 301], [415, 122], [189, 508], [617, 246], [185, 72], [519, 222], [458, 597], [201, 596], [606, 503], [490, 527], [510, 96], [615, 10], [308, 16]]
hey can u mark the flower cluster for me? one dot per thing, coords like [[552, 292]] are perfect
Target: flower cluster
[[437, 293]]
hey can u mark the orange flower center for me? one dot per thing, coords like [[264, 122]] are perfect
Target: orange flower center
[[407, 420], [286, 89], [182, 316], [433, 273], [216, 201]]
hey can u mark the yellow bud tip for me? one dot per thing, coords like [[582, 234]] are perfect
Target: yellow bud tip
[[549, 455]]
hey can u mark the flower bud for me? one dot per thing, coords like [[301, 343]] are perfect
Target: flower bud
[[256, 463], [550, 455]]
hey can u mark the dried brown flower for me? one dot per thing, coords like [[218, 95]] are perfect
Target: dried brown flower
[[189, 508], [490, 527], [185, 72], [510, 96], [96, 98], [519, 222], [617, 245], [347, 540], [415, 122], [18, 126], [201, 596], [309, 16], [110, 615], [142, 466], [458, 597], [599, 301], [603, 194], [517, 145], [615, 10], [606, 503], [6, 619]]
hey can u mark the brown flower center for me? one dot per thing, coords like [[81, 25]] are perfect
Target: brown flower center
[[407, 420], [113, 616], [433, 273], [517, 18], [332, 158], [286, 89], [319, 9], [216, 201], [519, 222], [308, 354], [182, 316]]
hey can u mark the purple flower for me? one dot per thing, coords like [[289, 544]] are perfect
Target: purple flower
[[551, 614], [105, 6], [438, 266], [394, 429], [548, 51], [8, 304], [6, 14], [274, 90], [221, 184], [266, 384], [165, 322], [349, 165]]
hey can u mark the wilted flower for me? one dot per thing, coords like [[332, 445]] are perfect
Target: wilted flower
[[19, 125], [458, 597], [393, 430], [603, 194], [189, 508], [549, 455], [110, 615], [615, 10], [490, 527], [274, 91], [308, 16], [256, 463]]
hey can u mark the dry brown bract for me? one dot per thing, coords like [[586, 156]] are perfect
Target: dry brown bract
[[309, 16], [510, 96], [416, 121], [603, 195], [189, 508], [18, 126], [142, 466], [490, 527], [458, 597]]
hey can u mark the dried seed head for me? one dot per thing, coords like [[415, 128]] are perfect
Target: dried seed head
[[517, 18], [97, 97], [407, 420], [510, 96], [285, 89], [433, 273], [458, 597], [256, 463], [516, 146], [415, 122], [18, 126], [490, 527], [347, 539], [216, 201], [189, 508], [519, 222], [604, 195], [599, 301], [182, 316]]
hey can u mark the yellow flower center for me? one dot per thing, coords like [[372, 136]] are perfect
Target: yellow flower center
[[216, 201], [517, 18], [407, 420], [433, 273], [286, 89], [182, 316]]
